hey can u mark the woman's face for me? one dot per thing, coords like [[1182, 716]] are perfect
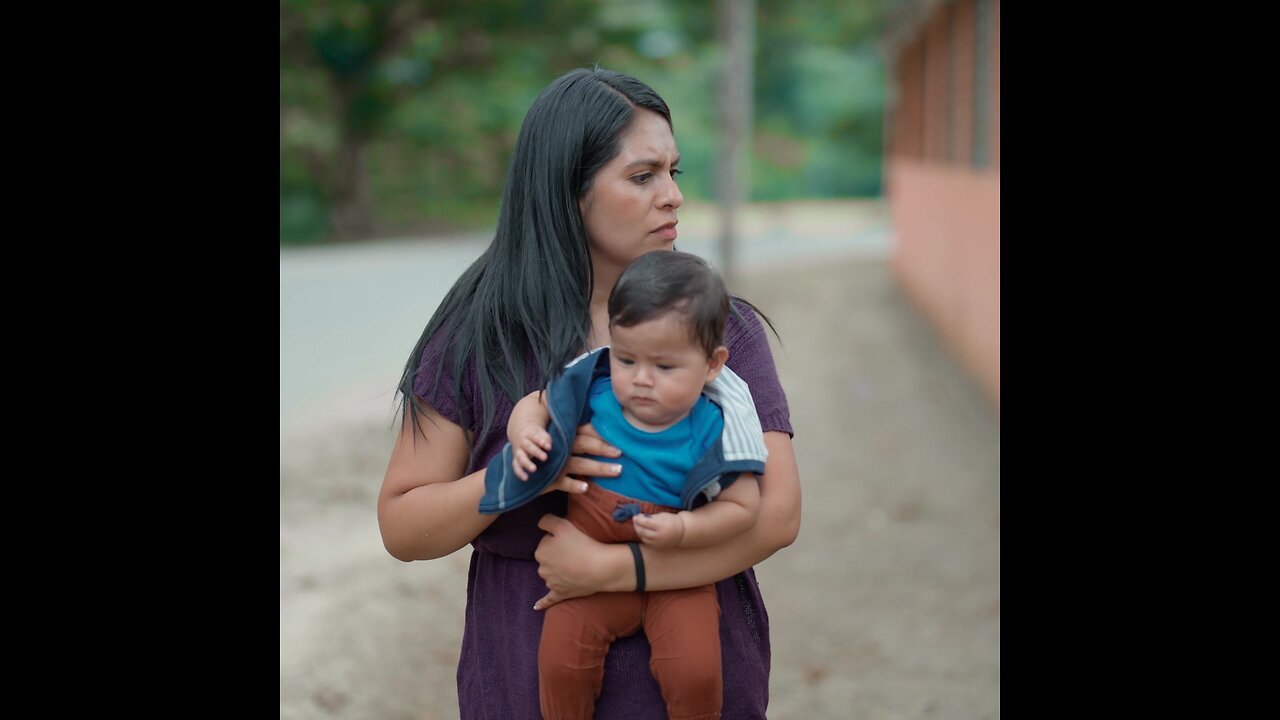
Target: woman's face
[[630, 208]]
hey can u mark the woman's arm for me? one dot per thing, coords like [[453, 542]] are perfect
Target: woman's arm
[[427, 508], [574, 565]]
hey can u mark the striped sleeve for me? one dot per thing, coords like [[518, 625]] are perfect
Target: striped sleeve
[[742, 438], [751, 358]]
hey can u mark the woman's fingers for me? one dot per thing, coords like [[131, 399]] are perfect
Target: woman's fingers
[[547, 601], [576, 467], [567, 484], [563, 561], [588, 441], [549, 523], [591, 468]]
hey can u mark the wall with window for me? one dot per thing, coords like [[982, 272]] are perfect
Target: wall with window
[[942, 172]]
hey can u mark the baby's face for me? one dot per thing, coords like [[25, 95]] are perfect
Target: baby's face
[[658, 371]]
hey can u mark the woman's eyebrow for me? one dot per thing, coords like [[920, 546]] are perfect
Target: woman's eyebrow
[[649, 163]]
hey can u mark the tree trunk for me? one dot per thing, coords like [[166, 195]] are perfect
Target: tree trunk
[[352, 211], [737, 35], [350, 197]]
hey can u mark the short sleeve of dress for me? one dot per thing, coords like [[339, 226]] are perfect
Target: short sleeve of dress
[[752, 359], [435, 380]]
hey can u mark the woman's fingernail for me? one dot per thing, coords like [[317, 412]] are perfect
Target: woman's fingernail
[[616, 469], [582, 487]]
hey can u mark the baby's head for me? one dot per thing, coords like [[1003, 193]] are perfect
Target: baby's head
[[666, 321]]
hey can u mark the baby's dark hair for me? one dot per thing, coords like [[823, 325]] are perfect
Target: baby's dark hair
[[665, 280]]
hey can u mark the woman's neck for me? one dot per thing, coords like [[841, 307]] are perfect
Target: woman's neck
[[599, 327], [603, 280], [603, 276]]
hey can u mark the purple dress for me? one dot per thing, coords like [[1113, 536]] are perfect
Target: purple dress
[[498, 666]]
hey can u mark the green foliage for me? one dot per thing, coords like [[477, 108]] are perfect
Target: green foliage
[[435, 93], [303, 216]]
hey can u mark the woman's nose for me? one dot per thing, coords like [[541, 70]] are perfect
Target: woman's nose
[[671, 196]]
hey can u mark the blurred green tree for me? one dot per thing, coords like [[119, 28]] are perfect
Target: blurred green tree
[[345, 41], [399, 115], [819, 102], [364, 81]]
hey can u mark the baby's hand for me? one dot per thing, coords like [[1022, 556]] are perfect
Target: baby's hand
[[527, 443], [661, 530]]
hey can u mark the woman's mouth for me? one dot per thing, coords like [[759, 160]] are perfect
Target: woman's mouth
[[666, 232]]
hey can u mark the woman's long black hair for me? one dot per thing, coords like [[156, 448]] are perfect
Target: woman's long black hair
[[527, 296]]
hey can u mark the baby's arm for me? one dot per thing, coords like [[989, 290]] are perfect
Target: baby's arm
[[732, 512], [527, 431]]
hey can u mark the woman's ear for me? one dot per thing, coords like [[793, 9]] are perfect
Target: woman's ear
[[716, 362]]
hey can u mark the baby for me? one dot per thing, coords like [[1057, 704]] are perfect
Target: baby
[[691, 450]]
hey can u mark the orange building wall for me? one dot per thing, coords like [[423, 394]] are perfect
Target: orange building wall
[[946, 257], [945, 211], [937, 113]]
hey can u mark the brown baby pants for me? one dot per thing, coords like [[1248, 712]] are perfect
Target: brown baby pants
[[683, 628]]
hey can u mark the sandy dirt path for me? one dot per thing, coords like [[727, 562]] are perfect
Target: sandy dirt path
[[888, 605]]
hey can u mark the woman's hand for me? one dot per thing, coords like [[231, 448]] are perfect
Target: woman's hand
[[571, 563], [589, 442]]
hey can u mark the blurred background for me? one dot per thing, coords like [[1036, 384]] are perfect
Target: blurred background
[[398, 116], [842, 170]]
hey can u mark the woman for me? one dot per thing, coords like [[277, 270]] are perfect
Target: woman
[[591, 185]]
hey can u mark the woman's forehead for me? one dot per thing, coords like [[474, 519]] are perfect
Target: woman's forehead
[[648, 138]]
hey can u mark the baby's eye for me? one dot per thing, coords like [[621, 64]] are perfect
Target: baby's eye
[[626, 361], [665, 367]]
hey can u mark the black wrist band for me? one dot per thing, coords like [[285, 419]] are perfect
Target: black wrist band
[[635, 553]]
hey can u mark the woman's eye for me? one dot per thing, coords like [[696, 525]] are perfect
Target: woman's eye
[[675, 172], [642, 178]]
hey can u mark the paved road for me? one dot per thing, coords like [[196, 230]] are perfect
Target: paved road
[[349, 315]]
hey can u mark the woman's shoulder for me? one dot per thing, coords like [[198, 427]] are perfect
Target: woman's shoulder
[[444, 375], [743, 329], [751, 357], [440, 350]]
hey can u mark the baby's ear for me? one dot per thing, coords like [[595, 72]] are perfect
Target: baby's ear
[[716, 362]]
